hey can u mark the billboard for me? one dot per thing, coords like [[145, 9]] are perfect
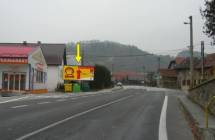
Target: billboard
[[82, 73]]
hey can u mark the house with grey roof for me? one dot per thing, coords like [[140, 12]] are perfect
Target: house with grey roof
[[54, 56]]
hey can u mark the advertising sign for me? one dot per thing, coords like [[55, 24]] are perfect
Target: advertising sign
[[82, 73], [13, 60]]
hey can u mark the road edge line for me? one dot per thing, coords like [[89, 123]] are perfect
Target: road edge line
[[12, 100], [162, 124]]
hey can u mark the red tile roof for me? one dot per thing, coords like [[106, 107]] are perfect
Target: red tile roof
[[168, 72], [15, 51], [210, 60], [124, 74], [179, 60], [53, 52]]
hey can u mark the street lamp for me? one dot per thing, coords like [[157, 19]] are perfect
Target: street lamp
[[191, 49]]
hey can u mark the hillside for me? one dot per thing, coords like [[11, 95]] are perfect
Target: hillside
[[119, 57]]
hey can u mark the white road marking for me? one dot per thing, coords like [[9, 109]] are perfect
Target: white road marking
[[71, 117], [19, 106], [12, 100], [84, 96], [61, 100], [162, 125], [41, 103]]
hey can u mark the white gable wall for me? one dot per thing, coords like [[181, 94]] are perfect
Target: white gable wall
[[54, 77]]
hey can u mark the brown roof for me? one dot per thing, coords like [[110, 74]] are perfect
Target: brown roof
[[185, 64], [168, 72], [209, 61], [179, 60], [124, 74]]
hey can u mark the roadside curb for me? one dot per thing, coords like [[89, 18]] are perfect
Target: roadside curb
[[191, 121], [198, 132], [12, 100], [98, 92], [54, 96]]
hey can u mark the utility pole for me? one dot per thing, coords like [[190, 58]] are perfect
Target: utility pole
[[159, 63], [158, 73], [144, 69], [191, 50], [112, 68], [203, 58]]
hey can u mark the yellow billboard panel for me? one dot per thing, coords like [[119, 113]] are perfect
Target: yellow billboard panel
[[70, 72], [83, 73]]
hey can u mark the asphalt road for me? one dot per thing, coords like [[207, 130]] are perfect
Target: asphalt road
[[131, 114]]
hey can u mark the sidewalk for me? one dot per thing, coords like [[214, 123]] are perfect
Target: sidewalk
[[13, 98], [196, 116], [53, 95]]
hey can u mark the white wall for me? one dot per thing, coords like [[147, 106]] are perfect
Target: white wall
[[15, 68], [54, 77], [34, 59]]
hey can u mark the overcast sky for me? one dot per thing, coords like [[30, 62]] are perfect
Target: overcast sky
[[154, 26]]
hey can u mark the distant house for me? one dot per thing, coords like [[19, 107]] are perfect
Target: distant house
[[181, 66], [168, 78], [127, 77], [209, 67], [54, 57], [22, 68]]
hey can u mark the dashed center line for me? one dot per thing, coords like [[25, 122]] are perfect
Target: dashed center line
[[43, 103], [35, 132], [19, 106]]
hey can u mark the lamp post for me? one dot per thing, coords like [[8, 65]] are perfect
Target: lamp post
[[191, 50]]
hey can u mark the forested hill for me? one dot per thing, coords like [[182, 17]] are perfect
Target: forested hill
[[119, 57]]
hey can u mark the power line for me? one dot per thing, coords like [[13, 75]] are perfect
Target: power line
[[91, 55]]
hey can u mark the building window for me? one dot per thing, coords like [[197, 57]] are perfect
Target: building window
[[188, 82], [40, 77], [184, 82]]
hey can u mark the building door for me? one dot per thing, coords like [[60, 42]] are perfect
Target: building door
[[5, 79], [14, 81], [17, 81], [11, 82], [22, 81]]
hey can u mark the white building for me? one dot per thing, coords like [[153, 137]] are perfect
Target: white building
[[54, 56], [22, 68]]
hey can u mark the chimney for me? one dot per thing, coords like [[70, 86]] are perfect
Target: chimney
[[24, 43]]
